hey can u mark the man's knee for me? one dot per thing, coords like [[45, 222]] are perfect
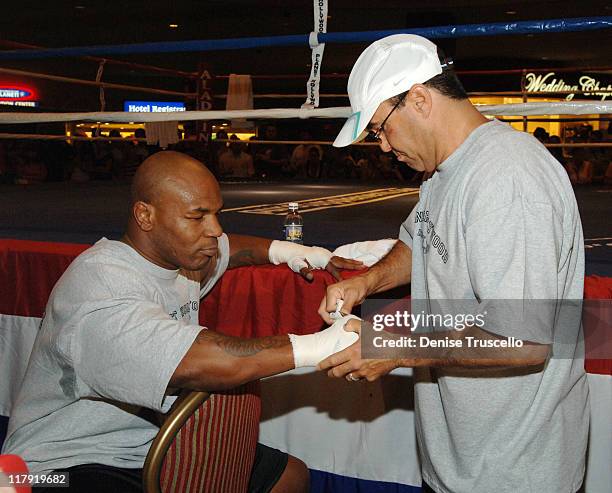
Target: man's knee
[[295, 478]]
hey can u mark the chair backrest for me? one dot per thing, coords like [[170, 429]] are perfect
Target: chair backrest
[[206, 444]]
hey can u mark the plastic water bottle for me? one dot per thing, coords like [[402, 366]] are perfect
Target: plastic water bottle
[[293, 224]]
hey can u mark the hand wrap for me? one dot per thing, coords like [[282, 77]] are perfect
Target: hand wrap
[[296, 255], [309, 349]]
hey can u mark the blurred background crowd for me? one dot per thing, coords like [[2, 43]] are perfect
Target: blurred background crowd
[[265, 158]]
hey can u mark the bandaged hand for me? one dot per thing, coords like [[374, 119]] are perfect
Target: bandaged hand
[[309, 349], [298, 257]]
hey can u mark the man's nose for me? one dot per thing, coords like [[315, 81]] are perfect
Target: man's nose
[[384, 143], [214, 228]]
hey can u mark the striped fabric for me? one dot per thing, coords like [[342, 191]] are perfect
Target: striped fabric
[[215, 449]]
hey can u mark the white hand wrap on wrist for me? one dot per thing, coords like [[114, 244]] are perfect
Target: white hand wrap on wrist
[[295, 255], [308, 350]]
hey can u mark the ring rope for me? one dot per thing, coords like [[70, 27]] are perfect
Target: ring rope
[[107, 85], [490, 29], [518, 109]]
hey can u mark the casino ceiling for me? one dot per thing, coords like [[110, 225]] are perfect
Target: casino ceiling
[[61, 23]]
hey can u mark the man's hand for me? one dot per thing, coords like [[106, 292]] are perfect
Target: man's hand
[[303, 259], [352, 292], [348, 363], [309, 349], [336, 263]]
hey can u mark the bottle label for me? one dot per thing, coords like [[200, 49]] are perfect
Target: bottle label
[[293, 232]]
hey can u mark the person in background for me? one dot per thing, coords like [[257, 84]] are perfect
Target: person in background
[[600, 157], [541, 134], [298, 162], [6, 176], [30, 168], [608, 140], [557, 152], [271, 159], [236, 163]]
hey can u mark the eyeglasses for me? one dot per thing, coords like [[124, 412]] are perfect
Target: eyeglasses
[[375, 136]]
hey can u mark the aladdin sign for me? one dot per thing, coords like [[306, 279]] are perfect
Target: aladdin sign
[[550, 82]]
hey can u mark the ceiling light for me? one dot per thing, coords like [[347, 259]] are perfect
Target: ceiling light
[[511, 12], [172, 26], [80, 7]]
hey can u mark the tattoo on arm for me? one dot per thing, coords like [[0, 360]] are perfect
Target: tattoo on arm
[[235, 346], [241, 258]]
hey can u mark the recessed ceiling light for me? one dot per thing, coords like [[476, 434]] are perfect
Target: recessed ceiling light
[[172, 26], [511, 12], [80, 7]]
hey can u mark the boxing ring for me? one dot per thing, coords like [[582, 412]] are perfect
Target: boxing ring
[[355, 437]]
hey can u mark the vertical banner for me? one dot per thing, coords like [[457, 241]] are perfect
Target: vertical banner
[[204, 101], [320, 26]]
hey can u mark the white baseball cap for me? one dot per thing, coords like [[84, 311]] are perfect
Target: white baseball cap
[[386, 68]]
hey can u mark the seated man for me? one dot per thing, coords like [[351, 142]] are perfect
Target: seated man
[[236, 163], [121, 329]]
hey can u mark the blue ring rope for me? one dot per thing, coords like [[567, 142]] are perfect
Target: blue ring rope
[[491, 29]]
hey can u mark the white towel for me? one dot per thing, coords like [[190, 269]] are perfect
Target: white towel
[[162, 133], [240, 97], [369, 252]]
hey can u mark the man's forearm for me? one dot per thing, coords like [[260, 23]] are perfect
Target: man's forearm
[[216, 361], [392, 270], [247, 250], [472, 347]]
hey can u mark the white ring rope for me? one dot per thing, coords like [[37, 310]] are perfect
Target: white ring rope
[[519, 109], [548, 108]]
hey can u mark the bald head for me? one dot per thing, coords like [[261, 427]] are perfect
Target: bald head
[[175, 202], [168, 172]]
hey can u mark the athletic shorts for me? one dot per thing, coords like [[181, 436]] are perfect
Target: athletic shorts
[[267, 469]]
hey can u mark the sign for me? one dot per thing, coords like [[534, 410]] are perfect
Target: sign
[[320, 26], [551, 82], [18, 96], [152, 106], [204, 101]]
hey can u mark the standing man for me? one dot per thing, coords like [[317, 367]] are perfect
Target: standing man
[[121, 331], [498, 220]]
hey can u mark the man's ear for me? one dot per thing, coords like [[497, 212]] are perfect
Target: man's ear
[[144, 214], [420, 98]]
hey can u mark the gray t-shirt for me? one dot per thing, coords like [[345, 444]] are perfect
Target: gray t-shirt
[[499, 221], [116, 327]]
